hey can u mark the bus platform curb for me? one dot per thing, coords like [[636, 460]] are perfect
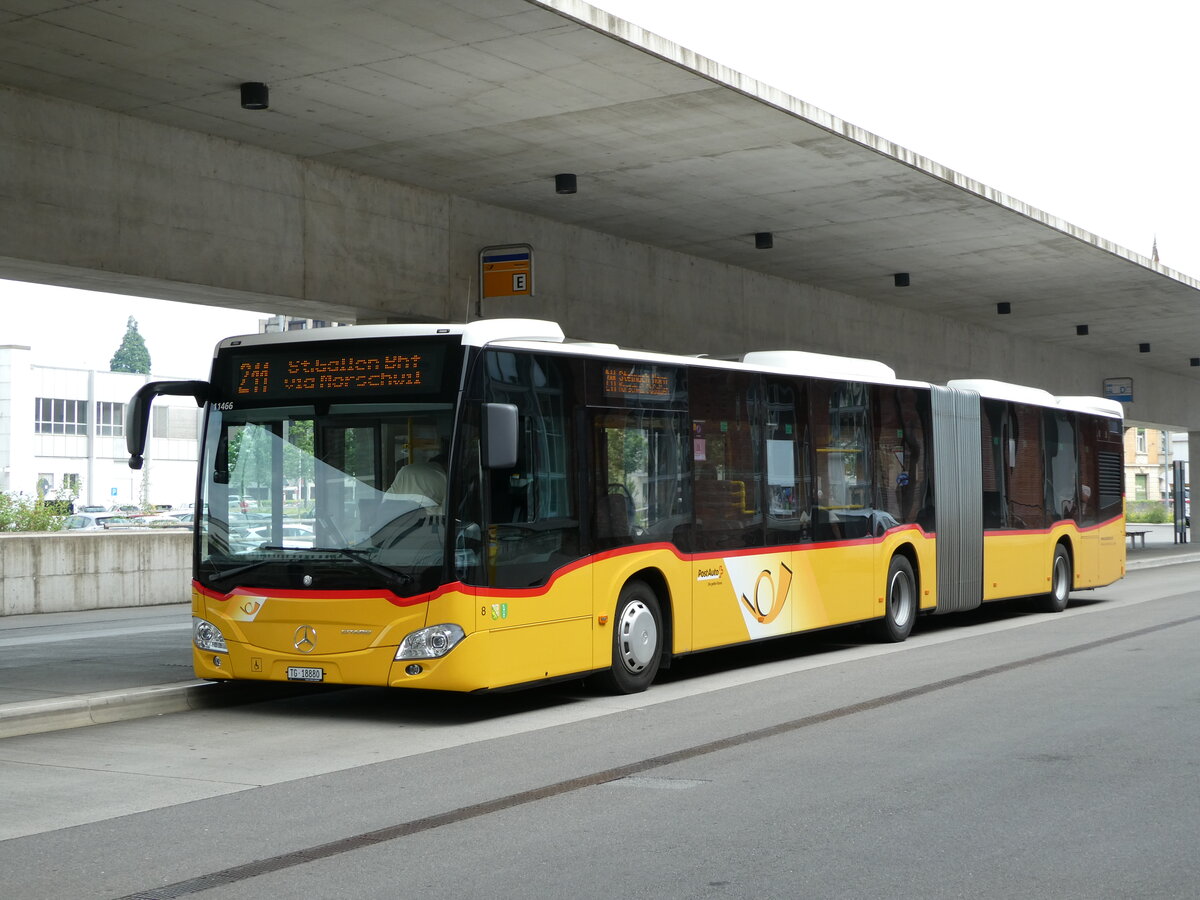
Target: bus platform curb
[[1171, 559], [105, 707]]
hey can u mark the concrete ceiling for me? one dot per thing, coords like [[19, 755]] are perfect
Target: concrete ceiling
[[489, 99]]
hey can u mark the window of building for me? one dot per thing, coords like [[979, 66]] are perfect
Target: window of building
[[110, 419], [1141, 440], [54, 416], [176, 422], [1141, 486]]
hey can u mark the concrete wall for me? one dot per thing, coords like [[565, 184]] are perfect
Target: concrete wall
[[604, 288], [98, 200], [41, 573]]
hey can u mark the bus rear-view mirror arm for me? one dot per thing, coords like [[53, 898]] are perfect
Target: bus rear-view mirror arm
[[137, 411], [500, 433]]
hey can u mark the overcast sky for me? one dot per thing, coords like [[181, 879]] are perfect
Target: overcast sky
[[1085, 109], [1082, 108]]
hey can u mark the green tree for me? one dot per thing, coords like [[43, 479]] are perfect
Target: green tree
[[132, 355]]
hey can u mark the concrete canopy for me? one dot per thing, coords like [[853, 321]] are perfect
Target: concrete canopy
[[489, 99]]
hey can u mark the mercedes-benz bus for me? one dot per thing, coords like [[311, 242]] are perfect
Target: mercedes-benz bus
[[488, 505]]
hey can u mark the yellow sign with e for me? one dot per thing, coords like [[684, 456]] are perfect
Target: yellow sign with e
[[506, 271]]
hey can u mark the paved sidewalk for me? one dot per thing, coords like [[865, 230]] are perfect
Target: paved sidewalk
[[66, 670]]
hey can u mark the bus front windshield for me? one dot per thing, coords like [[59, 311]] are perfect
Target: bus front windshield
[[342, 497]]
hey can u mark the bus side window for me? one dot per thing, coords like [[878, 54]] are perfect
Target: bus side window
[[842, 438], [902, 416], [727, 459], [533, 525], [1025, 472], [638, 485], [991, 447], [789, 464]]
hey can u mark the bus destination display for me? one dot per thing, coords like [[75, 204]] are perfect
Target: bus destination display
[[279, 373], [641, 382]]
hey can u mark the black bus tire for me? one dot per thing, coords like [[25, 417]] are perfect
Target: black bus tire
[[637, 645], [1061, 581], [900, 602]]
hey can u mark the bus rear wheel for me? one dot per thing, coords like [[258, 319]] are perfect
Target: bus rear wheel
[[1060, 582], [637, 640], [900, 602]]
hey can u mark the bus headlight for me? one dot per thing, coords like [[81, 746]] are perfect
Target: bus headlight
[[207, 636], [430, 643]]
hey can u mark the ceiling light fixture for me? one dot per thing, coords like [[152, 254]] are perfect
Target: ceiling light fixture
[[763, 240], [565, 183], [254, 95], [901, 279]]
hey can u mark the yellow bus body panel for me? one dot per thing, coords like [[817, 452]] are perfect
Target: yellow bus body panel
[[352, 637], [1018, 563], [564, 628]]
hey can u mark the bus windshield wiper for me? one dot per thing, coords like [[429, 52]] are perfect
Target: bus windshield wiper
[[238, 570], [362, 558]]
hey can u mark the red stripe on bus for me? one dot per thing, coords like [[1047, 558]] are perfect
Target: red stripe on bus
[[481, 591]]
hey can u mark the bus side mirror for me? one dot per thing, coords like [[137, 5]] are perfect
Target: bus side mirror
[[500, 435], [137, 411]]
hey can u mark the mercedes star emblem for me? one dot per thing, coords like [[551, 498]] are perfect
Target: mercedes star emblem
[[305, 639]]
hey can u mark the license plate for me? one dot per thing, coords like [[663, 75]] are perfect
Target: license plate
[[305, 673]]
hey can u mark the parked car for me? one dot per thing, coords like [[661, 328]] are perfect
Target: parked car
[[293, 534], [161, 522], [93, 509], [97, 522]]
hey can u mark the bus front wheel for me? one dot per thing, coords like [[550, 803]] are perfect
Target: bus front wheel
[[900, 602], [1060, 582], [637, 640]]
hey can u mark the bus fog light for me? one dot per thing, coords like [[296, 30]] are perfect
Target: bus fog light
[[413, 669], [207, 636], [430, 643]]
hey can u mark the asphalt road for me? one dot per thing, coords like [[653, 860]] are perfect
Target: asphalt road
[[996, 754]]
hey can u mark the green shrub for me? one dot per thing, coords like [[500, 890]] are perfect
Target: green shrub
[[21, 513], [1147, 511]]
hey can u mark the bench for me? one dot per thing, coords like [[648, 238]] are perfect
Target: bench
[[1134, 536]]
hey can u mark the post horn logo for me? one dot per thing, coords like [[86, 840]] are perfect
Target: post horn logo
[[769, 598], [305, 639]]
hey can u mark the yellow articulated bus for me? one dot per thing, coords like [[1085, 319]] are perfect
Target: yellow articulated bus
[[481, 506]]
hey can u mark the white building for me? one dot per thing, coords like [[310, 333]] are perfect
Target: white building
[[64, 428]]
